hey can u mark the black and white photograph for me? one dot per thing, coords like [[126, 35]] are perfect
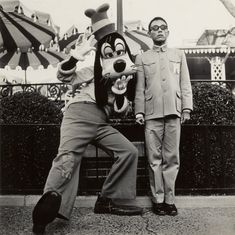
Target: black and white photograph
[[117, 117]]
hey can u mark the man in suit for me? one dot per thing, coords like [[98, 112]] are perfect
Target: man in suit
[[163, 101]]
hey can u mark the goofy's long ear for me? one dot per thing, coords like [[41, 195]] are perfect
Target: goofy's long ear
[[101, 27], [101, 91], [132, 83], [130, 93]]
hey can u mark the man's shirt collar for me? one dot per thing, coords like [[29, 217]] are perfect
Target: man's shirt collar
[[161, 48]]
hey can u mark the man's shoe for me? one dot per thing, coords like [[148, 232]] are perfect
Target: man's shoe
[[45, 211], [107, 206], [170, 209], [158, 209]]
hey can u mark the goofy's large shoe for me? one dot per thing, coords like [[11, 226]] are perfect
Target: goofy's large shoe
[[45, 211], [107, 206]]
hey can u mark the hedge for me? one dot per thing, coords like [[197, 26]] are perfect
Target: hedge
[[207, 147], [213, 104], [29, 108]]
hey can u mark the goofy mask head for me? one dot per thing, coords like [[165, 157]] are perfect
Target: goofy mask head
[[113, 63]]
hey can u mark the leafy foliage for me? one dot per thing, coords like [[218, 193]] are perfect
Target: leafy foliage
[[213, 105], [206, 151], [29, 108]]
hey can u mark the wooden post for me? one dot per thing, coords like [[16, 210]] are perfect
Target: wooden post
[[119, 17]]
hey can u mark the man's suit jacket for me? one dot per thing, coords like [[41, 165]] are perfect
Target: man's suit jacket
[[163, 84]]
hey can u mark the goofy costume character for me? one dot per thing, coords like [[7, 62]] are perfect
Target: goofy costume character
[[104, 88]]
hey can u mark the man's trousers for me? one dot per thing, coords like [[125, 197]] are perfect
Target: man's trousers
[[162, 137]]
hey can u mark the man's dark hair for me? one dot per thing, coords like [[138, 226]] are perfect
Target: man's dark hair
[[156, 18]]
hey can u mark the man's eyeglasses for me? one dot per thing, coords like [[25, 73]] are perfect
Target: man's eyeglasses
[[156, 27]]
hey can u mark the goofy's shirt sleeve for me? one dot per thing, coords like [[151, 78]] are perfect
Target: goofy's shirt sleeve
[[67, 72]]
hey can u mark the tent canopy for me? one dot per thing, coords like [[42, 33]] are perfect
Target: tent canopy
[[34, 59], [19, 31], [137, 40], [9, 5]]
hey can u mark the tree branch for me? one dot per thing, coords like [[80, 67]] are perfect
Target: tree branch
[[229, 5]]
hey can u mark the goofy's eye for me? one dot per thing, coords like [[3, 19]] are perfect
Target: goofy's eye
[[120, 46], [120, 52], [108, 55], [106, 51]]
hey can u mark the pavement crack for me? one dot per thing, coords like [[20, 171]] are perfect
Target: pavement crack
[[147, 226]]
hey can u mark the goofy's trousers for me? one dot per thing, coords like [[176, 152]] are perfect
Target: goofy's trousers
[[84, 123]]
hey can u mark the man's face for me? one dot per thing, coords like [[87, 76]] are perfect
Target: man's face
[[158, 31]]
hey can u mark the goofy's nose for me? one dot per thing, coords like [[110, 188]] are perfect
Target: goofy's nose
[[119, 66]]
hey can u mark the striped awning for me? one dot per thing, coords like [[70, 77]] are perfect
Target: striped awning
[[19, 32], [208, 49], [68, 42], [72, 30], [138, 41], [34, 59]]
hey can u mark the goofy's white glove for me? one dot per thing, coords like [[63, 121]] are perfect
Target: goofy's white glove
[[120, 85], [83, 47]]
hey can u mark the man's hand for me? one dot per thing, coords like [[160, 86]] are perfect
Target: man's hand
[[140, 119], [83, 47], [185, 116], [120, 85]]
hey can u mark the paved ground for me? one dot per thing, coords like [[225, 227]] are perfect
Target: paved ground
[[203, 221], [190, 221], [198, 215]]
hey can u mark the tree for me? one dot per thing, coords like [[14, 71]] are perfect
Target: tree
[[229, 5]]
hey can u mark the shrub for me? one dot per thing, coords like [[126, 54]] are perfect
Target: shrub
[[207, 152], [213, 105], [29, 108]]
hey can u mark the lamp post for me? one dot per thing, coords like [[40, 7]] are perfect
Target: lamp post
[[119, 17]]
